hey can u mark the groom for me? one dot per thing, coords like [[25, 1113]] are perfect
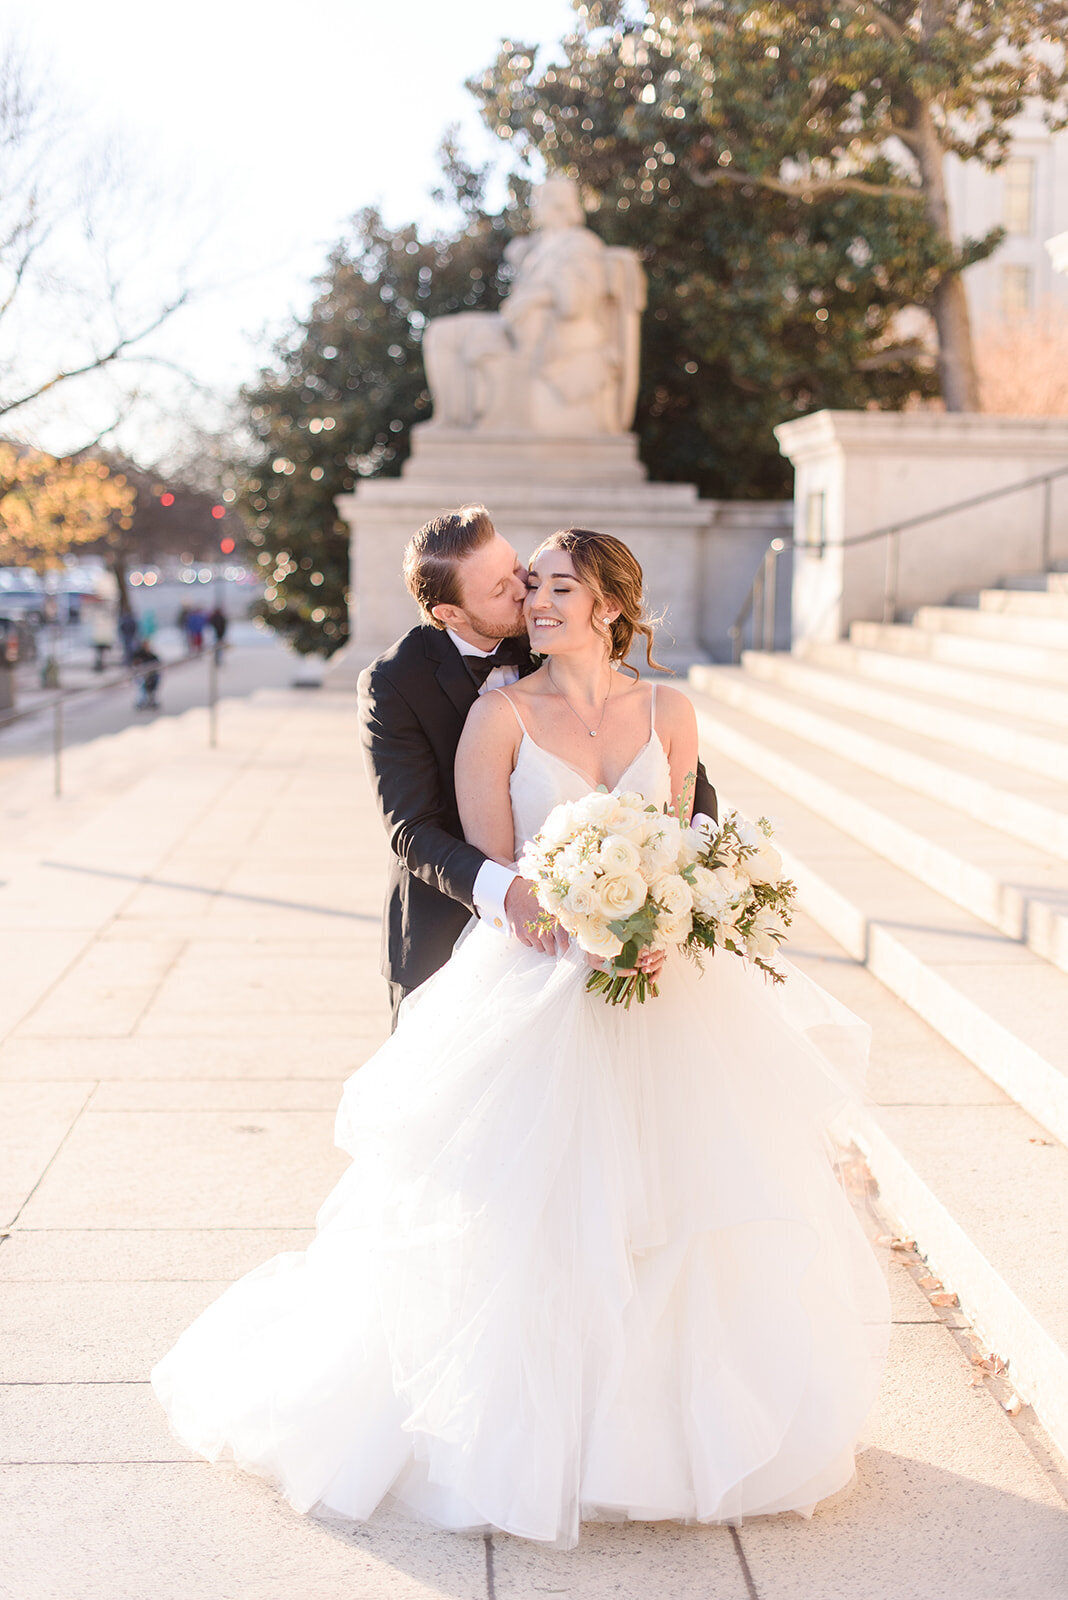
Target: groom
[[413, 701]]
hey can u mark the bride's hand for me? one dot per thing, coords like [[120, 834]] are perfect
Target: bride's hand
[[650, 962]]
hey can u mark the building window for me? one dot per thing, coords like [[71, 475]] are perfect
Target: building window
[[1015, 290], [1019, 214]]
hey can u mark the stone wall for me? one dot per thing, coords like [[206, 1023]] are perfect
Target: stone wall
[[857, 471]]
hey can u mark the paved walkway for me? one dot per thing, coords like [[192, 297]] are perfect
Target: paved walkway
[[188, 950]]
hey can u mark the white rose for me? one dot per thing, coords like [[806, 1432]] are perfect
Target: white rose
[[558, 826], [597, 938], [673, 893], [618, 857], [760, 943], [765, 866], [747, 831], [581, 899], [671, 931], [620, 896]]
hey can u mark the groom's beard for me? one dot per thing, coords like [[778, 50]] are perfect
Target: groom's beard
[[497, 630]]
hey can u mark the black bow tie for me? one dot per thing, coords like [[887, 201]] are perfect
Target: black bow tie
[[509, 653]]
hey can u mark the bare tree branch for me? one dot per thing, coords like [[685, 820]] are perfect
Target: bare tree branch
[[801, 187], [109, 356]]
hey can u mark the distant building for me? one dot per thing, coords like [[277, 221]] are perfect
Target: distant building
[[1028, 196]]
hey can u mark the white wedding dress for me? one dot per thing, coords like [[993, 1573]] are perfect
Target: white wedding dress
[[585, 1263]]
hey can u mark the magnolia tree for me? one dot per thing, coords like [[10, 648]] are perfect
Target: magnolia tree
[[801, 100]]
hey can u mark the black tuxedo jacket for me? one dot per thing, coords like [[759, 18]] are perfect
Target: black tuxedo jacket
[[413, 702]]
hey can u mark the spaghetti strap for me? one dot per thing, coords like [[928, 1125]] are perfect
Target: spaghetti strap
[[652, 709], [511, 702]]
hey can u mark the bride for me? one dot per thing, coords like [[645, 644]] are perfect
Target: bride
[[586, 1262]]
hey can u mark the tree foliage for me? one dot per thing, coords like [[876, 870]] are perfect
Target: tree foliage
[[48, 506], [346, 386], [818, 116]]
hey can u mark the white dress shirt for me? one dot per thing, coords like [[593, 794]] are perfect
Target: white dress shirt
[[493, 881]]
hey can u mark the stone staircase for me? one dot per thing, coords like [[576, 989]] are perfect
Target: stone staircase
[[917, 776]]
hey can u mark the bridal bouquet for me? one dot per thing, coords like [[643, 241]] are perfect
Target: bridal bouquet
[[622, 877]]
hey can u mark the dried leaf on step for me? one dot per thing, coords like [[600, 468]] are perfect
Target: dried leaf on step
[[930, 1283], [1035, 1139], [893, 1241], [944, 1299]]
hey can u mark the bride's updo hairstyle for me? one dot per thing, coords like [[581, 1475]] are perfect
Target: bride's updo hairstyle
[[605, 565]]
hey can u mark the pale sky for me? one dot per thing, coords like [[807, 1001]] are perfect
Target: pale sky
[[255, 128]]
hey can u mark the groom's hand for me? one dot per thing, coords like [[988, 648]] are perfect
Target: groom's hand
[[522, 910]]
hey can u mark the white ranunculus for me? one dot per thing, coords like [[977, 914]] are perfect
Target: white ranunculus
[[732, 884], [628, 820], [597, 808], [558, 826], [620, 896], [690, 847], [596, 937], [709, 896], [660, 846], [618, 856]]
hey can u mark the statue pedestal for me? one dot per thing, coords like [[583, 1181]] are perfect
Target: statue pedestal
[[471, 465], [531, 487]]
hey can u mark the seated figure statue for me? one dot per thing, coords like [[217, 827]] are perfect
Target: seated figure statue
[[561, 355]]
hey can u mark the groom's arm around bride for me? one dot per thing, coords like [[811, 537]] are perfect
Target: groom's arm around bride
[[413, 701]]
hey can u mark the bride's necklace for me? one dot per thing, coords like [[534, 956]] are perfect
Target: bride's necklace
[[593, 732]]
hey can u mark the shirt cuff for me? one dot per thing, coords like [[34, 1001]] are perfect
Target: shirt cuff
[[491, 886]]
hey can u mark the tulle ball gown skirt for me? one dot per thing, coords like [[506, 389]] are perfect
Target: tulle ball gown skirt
[[585, 1263]]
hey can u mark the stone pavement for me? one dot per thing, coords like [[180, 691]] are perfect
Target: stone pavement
[[188, 949]]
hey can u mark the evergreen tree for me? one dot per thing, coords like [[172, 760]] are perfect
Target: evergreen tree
[[820, 126], [763, 305]]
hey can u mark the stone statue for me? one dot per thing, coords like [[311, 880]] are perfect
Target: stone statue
[[561, 355]]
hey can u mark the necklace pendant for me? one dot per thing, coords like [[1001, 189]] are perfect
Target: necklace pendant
[[592, 733]]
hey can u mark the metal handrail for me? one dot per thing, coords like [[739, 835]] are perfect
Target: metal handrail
[[56, 704], [766, 574]]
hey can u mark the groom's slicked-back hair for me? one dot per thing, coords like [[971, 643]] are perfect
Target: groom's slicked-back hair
[[433, 555]]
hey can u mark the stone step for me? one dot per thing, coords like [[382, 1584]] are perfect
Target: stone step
[[987, 994], [1049, 632], [1020, 697], [1013, 884], [1049, 603], [1052, 582], [1037, 661], [1007, 741], [964, 1172]]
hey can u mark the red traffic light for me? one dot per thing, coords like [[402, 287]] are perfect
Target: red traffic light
[[166, 499], [218, 511], [226, 546]]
